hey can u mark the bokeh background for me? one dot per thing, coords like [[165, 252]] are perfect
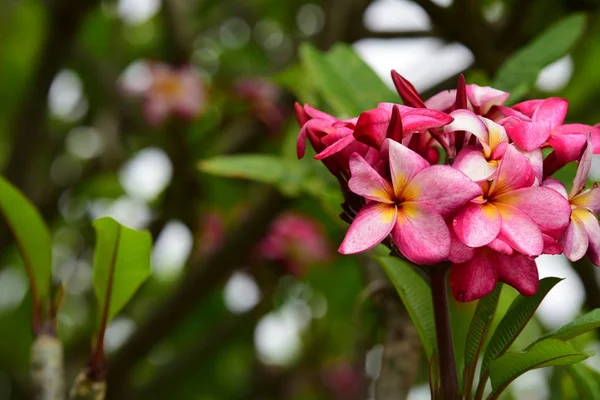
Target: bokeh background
[[248, 298]]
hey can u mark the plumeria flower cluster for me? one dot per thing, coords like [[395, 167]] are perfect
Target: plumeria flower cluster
[[490, 210], [167, 90]]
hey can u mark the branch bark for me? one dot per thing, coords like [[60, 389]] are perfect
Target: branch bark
[[201, 280]]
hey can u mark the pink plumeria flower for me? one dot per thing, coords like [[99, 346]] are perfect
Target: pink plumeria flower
[[412, 207], [583, 233], [478, 162], [331, 138], [511, 213], [169, 91], [263, 97], [297, 241], [480, 99], [479, 274]]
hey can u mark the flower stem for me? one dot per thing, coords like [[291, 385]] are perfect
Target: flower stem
[[443, 331]]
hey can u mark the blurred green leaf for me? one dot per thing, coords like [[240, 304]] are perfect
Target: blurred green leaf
[[344, 80], [549, 352], [587, 381], [478, 330], [32, 237], [416, 296], [121, 264], [520, 71], [580, 325], [520, 312]]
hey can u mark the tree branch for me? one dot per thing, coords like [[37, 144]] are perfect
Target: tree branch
[[201, 280]]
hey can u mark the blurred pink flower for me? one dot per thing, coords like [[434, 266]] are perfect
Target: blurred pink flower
[[295, 240], [169, 91], [263, 98]]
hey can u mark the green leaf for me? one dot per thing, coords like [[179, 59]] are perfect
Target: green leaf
[[32, 237], [520, 71], [587, 381], [480, 324], [434, 376], [121, 264], [549, 352], [520, 312], [580, 325], [344, 80], [257, 167], [416, 296]]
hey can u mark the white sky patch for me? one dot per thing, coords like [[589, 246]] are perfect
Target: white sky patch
[[171, 251], [424, 62], [84, 142], [146, 174], [65, 97], [310, 19], [136, 78], [277, 339], [13, 286], [117, 332], [241, 293], [396, 15], [556, 76], [130, 212], [135, 12], [563, 303]]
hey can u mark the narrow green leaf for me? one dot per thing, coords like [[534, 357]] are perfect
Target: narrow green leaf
[[480, 324], [520, 71], [434, 376], [416, 296], [121, 264], [580, 325], [32, 237], [519, 313], [587, 381], [256, 167], [549, 352], [344, 80]]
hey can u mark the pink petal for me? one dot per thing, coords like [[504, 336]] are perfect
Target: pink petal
[[501, 247], [301, 143], [536, 159], [567, 146], [442, 101], [582, 170], [301, 115], [372, 224], [551, 245], [555, 185], [421, 235], [589, 199], [421, 119], [475, 278], [550, 114], [472, 162], [442, 189], [156, 110], [546, 207], [366, 182], [484, 97], [575, 241], [593, 231], [519, 231], [404, 164], [335, 147], [459, 252], [317, 114], [519, 271], [465, 120], [526, 135], [372, 126], [477, 224], [496, 133], [514, 172], [527, 107], [407, 91]]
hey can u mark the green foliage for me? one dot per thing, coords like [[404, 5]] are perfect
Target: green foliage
[[513, 322], [121, 264], [548, 352], [580, 325], [520, 71], [586, 380], [32, 237], [416, 296], [478, 330], [344, 80]]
